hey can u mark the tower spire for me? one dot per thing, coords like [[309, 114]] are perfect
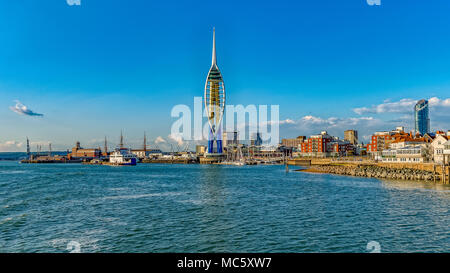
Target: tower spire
[[214, 59]]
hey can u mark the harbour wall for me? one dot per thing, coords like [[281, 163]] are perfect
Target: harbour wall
[[420, 172]]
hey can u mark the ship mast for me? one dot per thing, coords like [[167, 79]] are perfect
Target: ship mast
[[106, 147], [28, 149], [121, 140], [145, 143]]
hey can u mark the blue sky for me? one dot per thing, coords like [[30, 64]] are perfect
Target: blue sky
[[105, 66]]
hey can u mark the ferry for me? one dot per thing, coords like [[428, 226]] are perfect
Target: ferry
[[122, 156]]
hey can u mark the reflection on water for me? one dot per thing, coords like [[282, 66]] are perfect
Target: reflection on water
[[415, 185], [414, 210]]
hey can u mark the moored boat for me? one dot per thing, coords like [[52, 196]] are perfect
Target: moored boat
[[121, 157]]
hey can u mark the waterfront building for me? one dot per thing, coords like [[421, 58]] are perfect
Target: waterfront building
[[141, 153], [379, 142], [411, 148], [361, 149], [295, 143], [421, 117], [351, 136], [409, 154], [325, 145], [402, 142], [214, 104], [317, 145], [85, 154], [446, 152], [340, 148], [437, 148], [200, 150]]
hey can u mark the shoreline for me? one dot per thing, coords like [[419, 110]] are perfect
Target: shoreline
[[380, 172]]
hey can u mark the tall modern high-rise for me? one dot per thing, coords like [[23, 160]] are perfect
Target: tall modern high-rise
[[214, 103], [421, 117]]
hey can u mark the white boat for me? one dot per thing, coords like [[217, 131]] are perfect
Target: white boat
[[122, 156]]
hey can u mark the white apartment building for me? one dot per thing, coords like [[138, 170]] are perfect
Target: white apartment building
[[446, 152], [437, 148], [407, 154]]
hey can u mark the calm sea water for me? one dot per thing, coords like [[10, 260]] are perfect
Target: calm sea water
[[202, 208]]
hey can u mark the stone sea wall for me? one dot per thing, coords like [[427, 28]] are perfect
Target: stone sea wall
[[375, 171]]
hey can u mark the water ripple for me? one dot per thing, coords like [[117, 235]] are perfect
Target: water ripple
[[197, 208]]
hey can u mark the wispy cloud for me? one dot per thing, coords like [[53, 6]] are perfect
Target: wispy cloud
[[21, 109], [73, 2], [402, 106], [11, 146], [434, 101], [310, 125], [319, 122]]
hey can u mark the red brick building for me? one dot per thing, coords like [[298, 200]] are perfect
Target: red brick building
[[324, 145], [316, 144], [80, 153], [379, 142]]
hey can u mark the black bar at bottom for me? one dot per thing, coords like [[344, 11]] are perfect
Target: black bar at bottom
[[219, 262]]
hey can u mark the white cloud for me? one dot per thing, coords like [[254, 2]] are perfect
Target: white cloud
[[160, 139], [11, 146], [313, 120], [287, 121], [73, 2], [269, 122], [21, 109], [178, 138], [434, 101], [402, 106], [310, 125], [334, 121]]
